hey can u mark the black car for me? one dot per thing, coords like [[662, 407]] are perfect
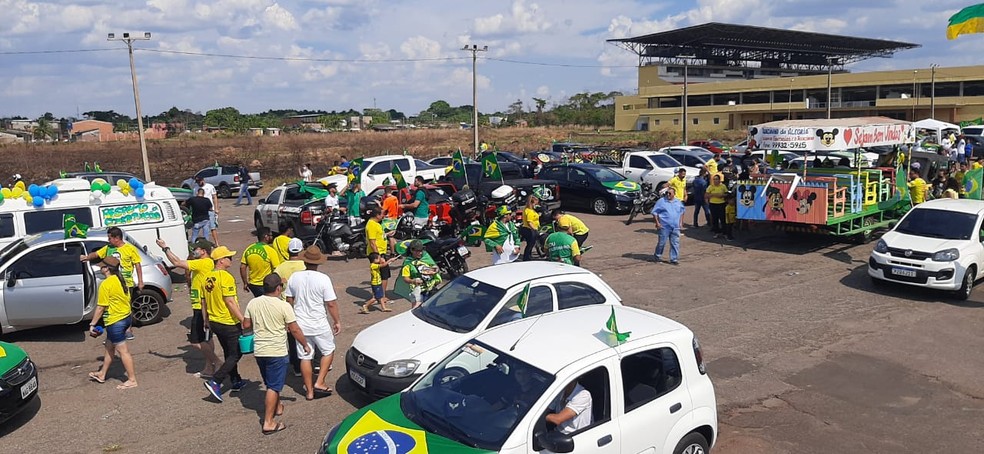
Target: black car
[[592, 187], [506, 156], [18, 380]]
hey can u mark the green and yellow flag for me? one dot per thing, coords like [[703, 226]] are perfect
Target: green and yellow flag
[[612, 326], [524, 298], [972, 183], [74, 229], [355, 167], [902, 183], [398, 178], [458, 165], [490, 167], [966, 21]]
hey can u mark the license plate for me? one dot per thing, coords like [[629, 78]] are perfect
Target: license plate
[[463, 251], [357, 378], [29, 387], [904, 272]]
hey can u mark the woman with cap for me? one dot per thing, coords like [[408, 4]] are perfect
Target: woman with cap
[[502, 237], [113, 305]]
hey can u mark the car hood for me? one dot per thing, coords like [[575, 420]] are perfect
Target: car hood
[[920, 243], [405, 336], [10, 356]]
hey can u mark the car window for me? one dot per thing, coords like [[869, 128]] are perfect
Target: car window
[[692, 161], [639, 162], [443, 162], [43, 221], [6, 225], [48, 261], [274, 196], [648, 375], [461, 305], [598, 386], [230, 170], [664, 161], [940, 224], [554, 173], [539, 302], [94, 245], [294, 195], [207, 173], [380, 168], [403, 164], [578, 175], [576, 294]]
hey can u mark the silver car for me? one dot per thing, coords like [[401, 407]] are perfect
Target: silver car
[[45, 283], [226, 181]]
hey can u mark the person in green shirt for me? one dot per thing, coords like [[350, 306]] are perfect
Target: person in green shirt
[[353, 194], [562, 247], [420, 205]]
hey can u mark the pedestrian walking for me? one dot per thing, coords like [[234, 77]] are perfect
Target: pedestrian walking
[[223, 317], [259, 260], [502, 237], [666, 214], [130, 263], [213, 214], [698, 193], [377, 290], [285, 270], [377, 240], [313, 297], [244, 180], [113, 307], [271, 318], [530, 229], [730, 217], [201, 224]]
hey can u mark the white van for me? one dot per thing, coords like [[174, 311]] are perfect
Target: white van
[[156, 215]]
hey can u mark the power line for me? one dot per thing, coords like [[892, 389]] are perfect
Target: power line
[[64, 51], [338, 60], [561, 65]]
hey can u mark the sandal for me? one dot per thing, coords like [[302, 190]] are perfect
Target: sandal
[[94, 377], [363, 310], [126, 385], [280, 426], [386, 309]]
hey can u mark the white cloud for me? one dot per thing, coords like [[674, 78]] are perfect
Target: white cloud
[[276, 16], [421, 47], [522, 18], [20, 16]]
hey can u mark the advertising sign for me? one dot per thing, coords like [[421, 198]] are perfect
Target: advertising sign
[[136, 213], [801, 136]]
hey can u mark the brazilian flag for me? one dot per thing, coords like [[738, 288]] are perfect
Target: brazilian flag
[[612, 326], [457, 165], [73, 228], [401, 182], [490, 167], [355, 167]]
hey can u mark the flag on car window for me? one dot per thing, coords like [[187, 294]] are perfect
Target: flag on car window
[[401, 183], [74, 229], [524, 297], [490, 167], [612, 326]]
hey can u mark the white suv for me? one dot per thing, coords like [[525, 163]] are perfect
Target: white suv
[[936, 245], [496, 393]]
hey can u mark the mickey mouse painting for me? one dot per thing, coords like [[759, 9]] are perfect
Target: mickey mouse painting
[[775, 203], [827, 138], [746, 196], [804, 201]]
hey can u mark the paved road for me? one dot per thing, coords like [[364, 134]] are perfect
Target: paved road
[[805, 354]]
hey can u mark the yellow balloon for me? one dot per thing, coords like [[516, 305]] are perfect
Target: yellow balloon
[[122, 184], [17, 191], [6, 193], [20, 184], [28, 198]]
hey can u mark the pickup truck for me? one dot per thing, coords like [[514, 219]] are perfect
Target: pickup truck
[[377, 169], [652, 167], [512, 175], [289, 205], [225, 179]]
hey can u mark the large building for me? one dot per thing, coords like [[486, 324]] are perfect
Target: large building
[[740, 76]]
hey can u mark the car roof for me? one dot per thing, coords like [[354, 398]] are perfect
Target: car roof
[[556, 340], [959, 205], [686, 149], [511, 274], [578, 164], [58, 235]]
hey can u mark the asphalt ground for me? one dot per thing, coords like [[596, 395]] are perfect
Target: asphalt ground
[[805, 354]]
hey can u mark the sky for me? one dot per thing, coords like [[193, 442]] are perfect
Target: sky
[[401, 54]]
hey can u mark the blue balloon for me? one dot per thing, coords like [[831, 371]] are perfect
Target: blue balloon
[[38, 201], [134, 183], [139, 192], [52, 190], [33, 190], [140, 184]]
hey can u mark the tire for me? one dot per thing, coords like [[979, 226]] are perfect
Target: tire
[[225, 192], [257, 222], [148, 307], [693, 443], [867, 236], [632, 214], [321, 245], [599, 206], [968, 284]]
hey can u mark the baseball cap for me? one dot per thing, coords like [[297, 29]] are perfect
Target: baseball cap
[[295, 245], [203, 244], [221, 252]]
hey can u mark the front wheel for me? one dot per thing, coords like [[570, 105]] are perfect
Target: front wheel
[[224, 191], [968, 284], [257, 222], [632, 214], [693, 443], [147, 307], [599, 206]]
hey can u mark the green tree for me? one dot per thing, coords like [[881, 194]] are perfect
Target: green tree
[[226, 117], [441, 109], [44, 130], [540, 104]]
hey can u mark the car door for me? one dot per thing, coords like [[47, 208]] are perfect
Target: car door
[[653, 398], [269, 212], [637, 167], [603, 434], [45, 286], [581, 187], [559, 174]]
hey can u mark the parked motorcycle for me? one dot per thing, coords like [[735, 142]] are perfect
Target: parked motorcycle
[[339, 233], [644, 203], [449, 254]]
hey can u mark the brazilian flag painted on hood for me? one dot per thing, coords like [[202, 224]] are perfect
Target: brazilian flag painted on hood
[[382, 427], [623, 186], [10, 356]]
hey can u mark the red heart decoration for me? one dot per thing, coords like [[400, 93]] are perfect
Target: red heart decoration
[[847, 135]]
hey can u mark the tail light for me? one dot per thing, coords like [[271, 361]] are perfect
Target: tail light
[[235, 179], [699, 355], [307, 218]]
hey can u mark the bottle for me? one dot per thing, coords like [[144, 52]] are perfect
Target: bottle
[[98, 330]]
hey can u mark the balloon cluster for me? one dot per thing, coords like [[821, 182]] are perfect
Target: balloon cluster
[[100, 187], [133, 185], [33, 195]]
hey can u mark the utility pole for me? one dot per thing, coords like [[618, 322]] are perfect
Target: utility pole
[[474, 49], [789, 100], [830, 75], [129, 38], [686, 71], [932, 91]]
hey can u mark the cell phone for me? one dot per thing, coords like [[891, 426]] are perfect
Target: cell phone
[[208, 334]]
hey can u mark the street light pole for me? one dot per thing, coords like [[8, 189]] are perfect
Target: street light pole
[[915, 97], [129, 38], [789, 101], [932, 91], [686, 73], [830, 75], [474, 49]]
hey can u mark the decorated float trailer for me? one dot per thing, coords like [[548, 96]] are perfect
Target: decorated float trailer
[[849, 202]]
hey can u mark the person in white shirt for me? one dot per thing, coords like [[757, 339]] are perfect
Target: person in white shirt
[[571, 410], [306, 174], [213, 214], [313, 297], [331, 200]]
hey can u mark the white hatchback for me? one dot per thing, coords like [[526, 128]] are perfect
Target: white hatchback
[[936, 245]]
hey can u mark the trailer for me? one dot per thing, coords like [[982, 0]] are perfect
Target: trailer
[[847, 202]]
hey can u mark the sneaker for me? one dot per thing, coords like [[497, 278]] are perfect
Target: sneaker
[[297, 373], [214, 389], [129, 336], [238, 386], [657, 259], [674, 262], [717, 235]]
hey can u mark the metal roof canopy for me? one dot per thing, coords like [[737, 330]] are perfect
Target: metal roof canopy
[[737, 45]]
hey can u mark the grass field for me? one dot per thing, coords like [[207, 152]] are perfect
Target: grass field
[[173, 160]]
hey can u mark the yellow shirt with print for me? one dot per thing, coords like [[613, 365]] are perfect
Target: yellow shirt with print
[[730, 214], [261, 259], [200, 269], [576, 225], [531, 219], [917, 190], [679, 185], [114, 299], [219, 284], [374, 277], [287, 269], [716, 193], [129, 257], [280, 245], [712, 166], [375, 234]]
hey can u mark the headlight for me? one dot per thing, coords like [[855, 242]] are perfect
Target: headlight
[[946, 255], [881, 247], [327, 440], [613, 191], [399, 368]]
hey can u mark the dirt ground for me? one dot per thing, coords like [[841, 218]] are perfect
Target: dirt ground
[[806, 356]]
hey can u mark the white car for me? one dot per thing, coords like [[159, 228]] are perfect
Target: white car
[[936, 245], [648, 393], [387, 357]]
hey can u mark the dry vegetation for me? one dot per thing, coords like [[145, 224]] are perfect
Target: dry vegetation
[[173, 160]]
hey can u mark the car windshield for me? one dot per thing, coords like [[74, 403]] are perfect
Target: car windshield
[[12, 249], [476, 396], [604, 174], [461, 305], [943, 224], [664, 161]]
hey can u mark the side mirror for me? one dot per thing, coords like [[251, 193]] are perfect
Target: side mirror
[[555, 441], [584, 183], [10, 278]]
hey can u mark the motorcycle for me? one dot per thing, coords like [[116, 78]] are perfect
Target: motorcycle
[[645, 202], [339, 233], [449, 254]]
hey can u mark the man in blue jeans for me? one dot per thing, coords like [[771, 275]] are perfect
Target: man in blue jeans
[[244, 185], [667, 214]]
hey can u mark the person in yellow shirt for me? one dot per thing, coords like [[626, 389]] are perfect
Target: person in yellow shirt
[[377, 291], [917, 188], [130, 262], [730, 217], [280, 243], [572, 225], [715, 195], [377, 240], [712, 165], [977, 164], [223, 317], [113, 306], [530, 229], [259, 260], [679, 184]]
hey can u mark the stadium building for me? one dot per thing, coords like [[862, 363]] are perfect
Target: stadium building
[[734, 76]]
